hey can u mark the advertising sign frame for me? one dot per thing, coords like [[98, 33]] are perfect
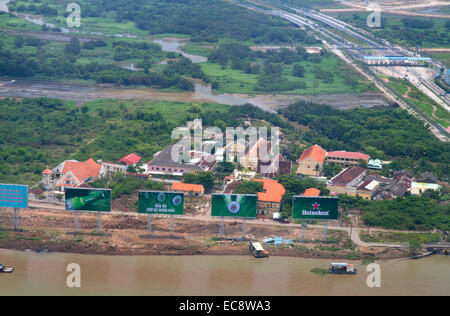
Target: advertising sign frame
[[227, 212], [69, 209], [315, 203], [172, 194]]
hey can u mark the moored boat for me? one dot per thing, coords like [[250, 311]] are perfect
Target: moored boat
[[257, 250], [4, 269], [342, 268]]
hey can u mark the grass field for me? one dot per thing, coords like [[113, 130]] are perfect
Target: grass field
[[420, 100], [346, 80]]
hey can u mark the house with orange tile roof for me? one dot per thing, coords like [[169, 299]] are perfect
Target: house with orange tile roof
[[192, 190], [72, 173], [311, 161], [312, 192], [269, 201]]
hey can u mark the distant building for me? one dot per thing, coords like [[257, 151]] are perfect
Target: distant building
[[367, 189], [72, 173], [311, 192], [191, 190], [418, 188], [269, 201], [375, 164], [311, 161], [275, 167], [427, 177], [164, 164], [111, 167], [130, 160], [347, 181], [447, 77], [254, 153], [346, 158]]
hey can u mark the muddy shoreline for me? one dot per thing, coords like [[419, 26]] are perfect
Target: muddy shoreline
[[52, 232]]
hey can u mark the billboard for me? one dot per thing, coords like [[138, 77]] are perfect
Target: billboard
[[234, 205], [12, 195], [91, 200], [306, 207], [157, 202]]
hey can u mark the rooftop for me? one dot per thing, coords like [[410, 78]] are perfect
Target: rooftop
[[273, 191], [164, 158], [187, 187], [348, 155], [312, 192], [130, 159], [315, 152], [348, 175], [82, 170]]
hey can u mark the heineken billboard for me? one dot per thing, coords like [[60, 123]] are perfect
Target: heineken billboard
[[92, 200], [156, 202], [305, 207], [233, 205]]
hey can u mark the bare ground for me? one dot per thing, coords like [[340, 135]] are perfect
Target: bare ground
[[51, 231]]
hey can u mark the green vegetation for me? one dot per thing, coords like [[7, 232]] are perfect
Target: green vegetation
[[35, 133], [427, 212], [320, 272], [121, 185], [236, 68], [384, 134], [206, 179], [249, 187], [395, 237], [422, 101], [410, 32]]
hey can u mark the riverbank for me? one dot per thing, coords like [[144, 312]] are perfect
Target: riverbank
[[51, 231]]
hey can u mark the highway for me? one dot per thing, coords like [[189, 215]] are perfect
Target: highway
[[351, 51]]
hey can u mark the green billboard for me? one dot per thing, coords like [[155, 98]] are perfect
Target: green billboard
[[91, 200], [156, 202], [234, 205], [306, 207]]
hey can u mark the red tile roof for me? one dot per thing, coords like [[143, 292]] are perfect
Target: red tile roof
[[273, 191], [312, 192], [316, 152], [130, 159], [187, 187], [82, 170], [47, 171], [348, 155]]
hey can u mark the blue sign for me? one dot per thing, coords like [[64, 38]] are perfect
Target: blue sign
[[12, 195]]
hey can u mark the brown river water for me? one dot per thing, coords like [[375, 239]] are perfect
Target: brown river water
[[45, 274]]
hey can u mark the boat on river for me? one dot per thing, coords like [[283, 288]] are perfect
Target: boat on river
[[4, 269], [342, 268], [257, 250]]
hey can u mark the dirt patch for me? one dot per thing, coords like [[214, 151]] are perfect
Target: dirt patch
[[52, 231]]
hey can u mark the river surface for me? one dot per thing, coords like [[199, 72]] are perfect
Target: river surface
[[174, 45], [45, 274]]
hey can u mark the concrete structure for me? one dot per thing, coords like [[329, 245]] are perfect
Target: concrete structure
[[191, 190], [166, 162], [269, 201], [274, 168], [311, 161], [347, 181], [111, 167], [72, 173], [367, 189], [375, 164], [418, 188], [447, 77], [255, 152], [346, 158]]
